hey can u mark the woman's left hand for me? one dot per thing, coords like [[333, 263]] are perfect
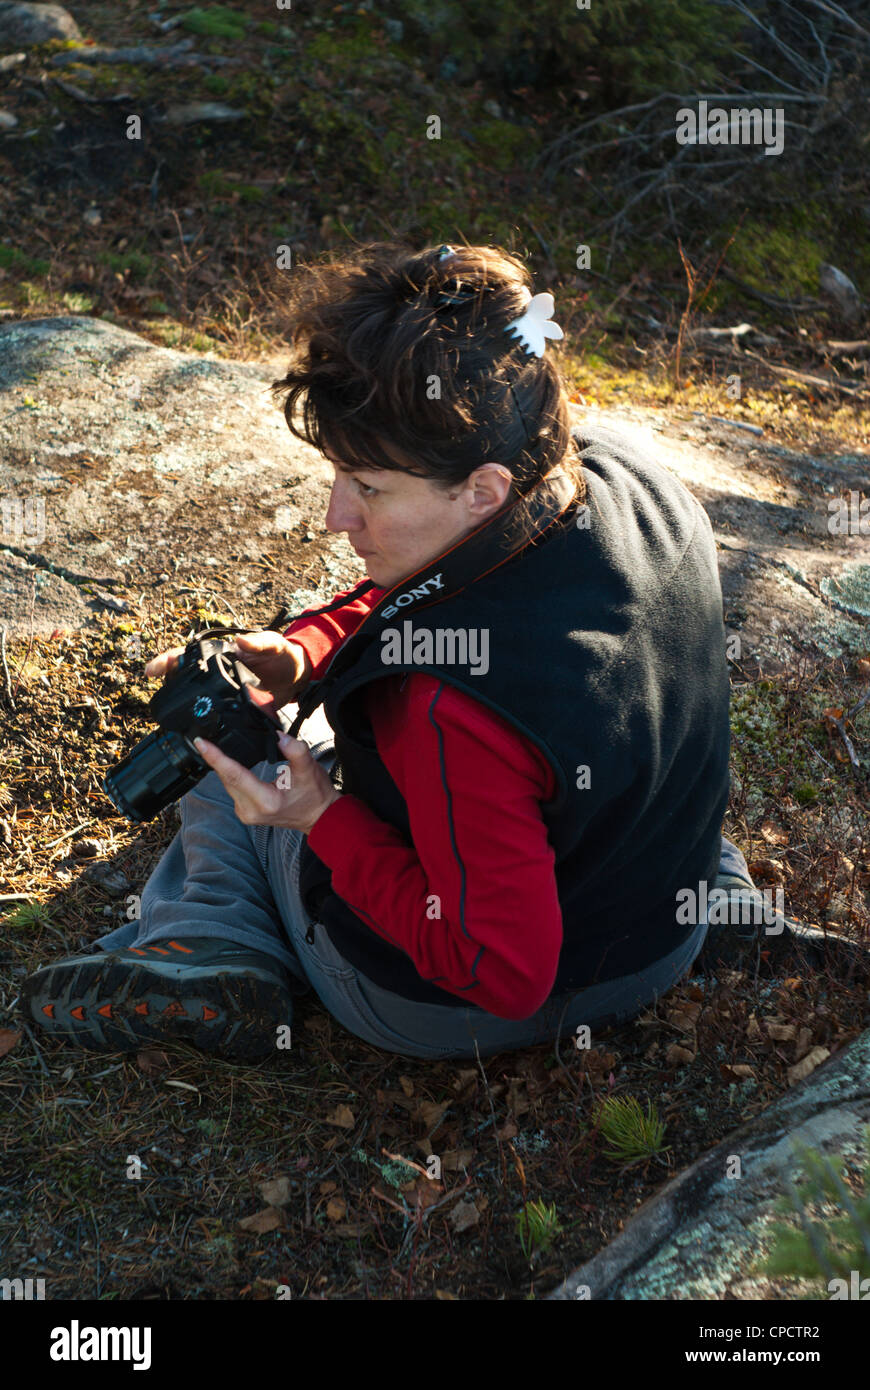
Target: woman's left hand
[[297, 798]]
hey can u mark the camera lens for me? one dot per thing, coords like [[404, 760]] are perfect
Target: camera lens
[[159, 770]]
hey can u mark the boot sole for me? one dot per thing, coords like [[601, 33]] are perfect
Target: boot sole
[[115, 1006]]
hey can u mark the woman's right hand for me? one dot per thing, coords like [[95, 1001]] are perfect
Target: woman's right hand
[[281, 666]]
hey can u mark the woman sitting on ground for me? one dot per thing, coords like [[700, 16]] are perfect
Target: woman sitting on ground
[[529, 698]]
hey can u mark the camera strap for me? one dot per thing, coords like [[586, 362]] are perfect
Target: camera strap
[[522, 522]]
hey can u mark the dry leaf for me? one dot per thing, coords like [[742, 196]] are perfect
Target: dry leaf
[[443, 1296], [772, 834], [8, 1040], [508, 1130], [150, 1060], [753, 1031], [733, 978], [342, 1117], [325, 1188], [677, 1056], [807, 1064], [736, 1071], [387, 1098], [464, 1215], [597, 1063], [769, 870], [429, 1112], [456, 1159], [407, 1085], [801, 1047], [336, 1209], [424, 1193], [269, 1219], [517, 1100], [781, 1032], [466, 1079], [684, 1017], [276, 1191]]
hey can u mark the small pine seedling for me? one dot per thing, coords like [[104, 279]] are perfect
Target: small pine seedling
[[537, 1226], [632, 1135]]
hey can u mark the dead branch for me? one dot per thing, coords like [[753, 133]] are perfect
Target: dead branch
[[69, 575], [773, 300]]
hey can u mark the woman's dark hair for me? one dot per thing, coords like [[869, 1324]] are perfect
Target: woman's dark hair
[[406, 349]]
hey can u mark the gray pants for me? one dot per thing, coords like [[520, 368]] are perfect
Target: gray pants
[[240, 882]]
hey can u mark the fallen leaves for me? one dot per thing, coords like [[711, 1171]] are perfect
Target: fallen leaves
[[277, 1192], [782, 1032], [151, 1060], [269, 1219], [685, 1015], [770, 871], [597, 1065], [8, 1040], [802, 1069], [341, 1117], [736, 1071], [464, 1215], [678, 1056], [430, 1113], [772, 834], [454, 1160]]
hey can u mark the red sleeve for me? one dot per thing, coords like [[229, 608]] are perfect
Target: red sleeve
[[320, 635], [480, 856]]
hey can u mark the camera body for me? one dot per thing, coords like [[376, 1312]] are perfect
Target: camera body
[[210, 693]]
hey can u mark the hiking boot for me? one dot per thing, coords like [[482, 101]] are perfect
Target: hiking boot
[[213, 994], [749, 937]]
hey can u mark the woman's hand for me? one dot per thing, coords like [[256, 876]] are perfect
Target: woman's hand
[[298, 797], [281, 666]]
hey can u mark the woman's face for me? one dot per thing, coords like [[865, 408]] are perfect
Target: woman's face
[[398, 523]]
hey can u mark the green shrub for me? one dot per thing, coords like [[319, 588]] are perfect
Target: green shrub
[[11, 257], [634, 48], [217, 22], [834, 1246]]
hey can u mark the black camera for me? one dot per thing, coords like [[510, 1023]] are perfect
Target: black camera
[[209, 693]]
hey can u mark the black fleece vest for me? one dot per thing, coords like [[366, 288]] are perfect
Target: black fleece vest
[[607, 650]]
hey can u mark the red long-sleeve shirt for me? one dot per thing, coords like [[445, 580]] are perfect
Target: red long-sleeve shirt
[[472, 784]]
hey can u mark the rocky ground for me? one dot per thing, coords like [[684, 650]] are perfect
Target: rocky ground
[[146, 466], [149, 491], [171, 496]]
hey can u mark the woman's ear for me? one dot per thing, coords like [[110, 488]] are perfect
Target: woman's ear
[[492, 483]]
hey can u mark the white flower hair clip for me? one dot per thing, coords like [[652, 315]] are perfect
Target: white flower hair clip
[[533, 327]]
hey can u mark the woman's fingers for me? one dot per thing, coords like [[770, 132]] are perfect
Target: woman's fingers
[[163, 662], [245, 789]]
